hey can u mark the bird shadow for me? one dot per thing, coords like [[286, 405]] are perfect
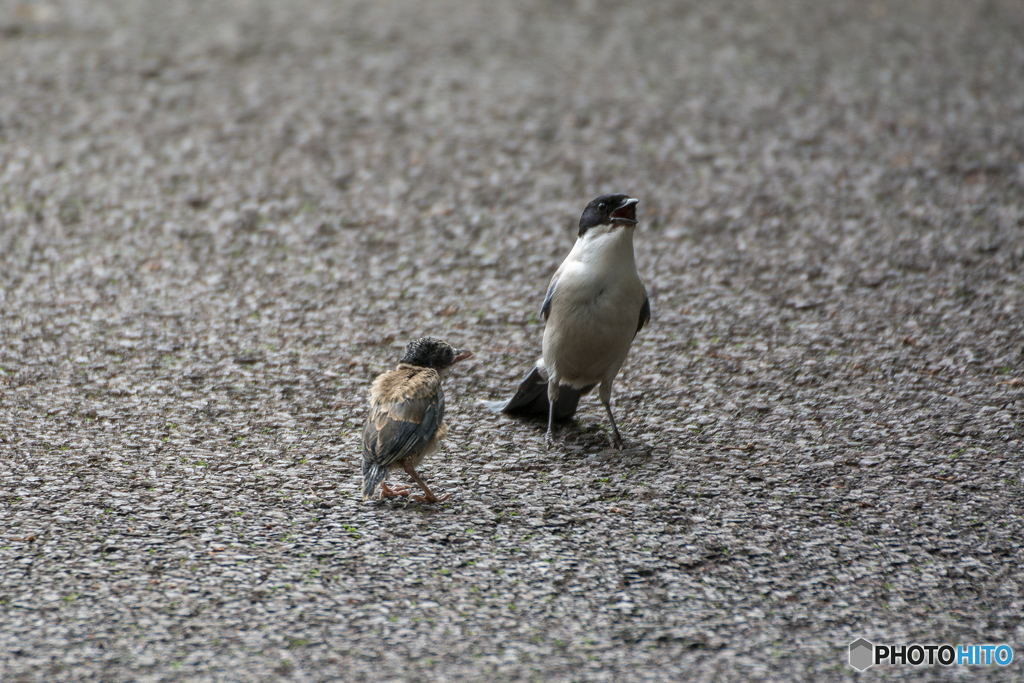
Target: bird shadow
[[574, 437]]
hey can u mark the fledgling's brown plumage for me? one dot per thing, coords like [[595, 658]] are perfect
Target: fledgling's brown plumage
[[401, 400], [406, 421]]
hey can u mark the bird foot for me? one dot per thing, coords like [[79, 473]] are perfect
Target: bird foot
[[388, 492], [431, 498]]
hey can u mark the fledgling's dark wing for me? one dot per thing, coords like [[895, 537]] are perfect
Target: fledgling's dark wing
[[404, 420]]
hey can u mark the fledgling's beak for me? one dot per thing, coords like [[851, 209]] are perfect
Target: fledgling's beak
[[462, 355], [626, 213]]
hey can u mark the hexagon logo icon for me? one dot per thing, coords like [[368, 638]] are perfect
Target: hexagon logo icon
[[861, 654]]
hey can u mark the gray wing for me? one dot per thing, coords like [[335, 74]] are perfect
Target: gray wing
[[397, 430], [545, 308], [645, 315]]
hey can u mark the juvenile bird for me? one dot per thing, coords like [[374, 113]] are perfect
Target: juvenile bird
[[595, 305], [406, 421]]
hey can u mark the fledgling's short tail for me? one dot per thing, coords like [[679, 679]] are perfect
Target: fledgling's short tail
[[373, 478]]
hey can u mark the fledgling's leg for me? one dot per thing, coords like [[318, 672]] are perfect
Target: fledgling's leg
[[428, 496], [552, 399], [606, 399]]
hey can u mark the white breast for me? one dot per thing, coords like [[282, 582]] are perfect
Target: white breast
[[595, 308]]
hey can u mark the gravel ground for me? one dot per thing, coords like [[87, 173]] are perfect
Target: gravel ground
[[219, 221]]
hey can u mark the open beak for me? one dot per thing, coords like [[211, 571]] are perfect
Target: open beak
[[462, 355], [626, 213]]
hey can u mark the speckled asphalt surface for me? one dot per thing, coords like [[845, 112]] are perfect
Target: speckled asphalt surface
[[219, 221]]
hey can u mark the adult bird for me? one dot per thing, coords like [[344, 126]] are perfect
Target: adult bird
[[595, 305], [406, 421]]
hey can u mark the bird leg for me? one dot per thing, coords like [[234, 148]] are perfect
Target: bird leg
[[616, 437], [428, 496], [549, 440], [388, 492]]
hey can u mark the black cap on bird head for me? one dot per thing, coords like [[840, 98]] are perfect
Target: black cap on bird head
[[431, 352], [609, 209]]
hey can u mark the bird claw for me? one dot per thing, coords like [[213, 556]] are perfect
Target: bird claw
[[388, 492], [616, 438], [430, 499]]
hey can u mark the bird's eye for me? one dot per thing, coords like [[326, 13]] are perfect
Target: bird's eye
[[601, 206]]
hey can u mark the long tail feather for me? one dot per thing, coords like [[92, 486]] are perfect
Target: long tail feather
[[531, 398]]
